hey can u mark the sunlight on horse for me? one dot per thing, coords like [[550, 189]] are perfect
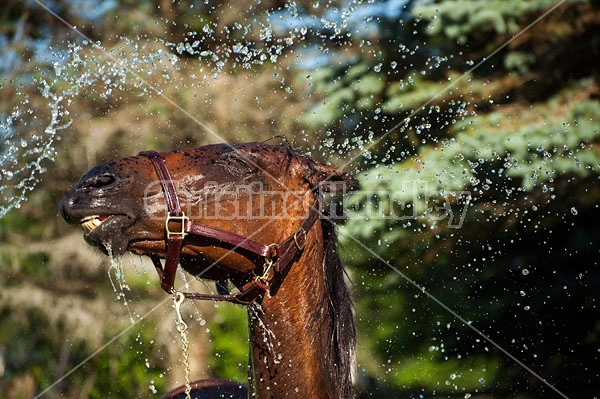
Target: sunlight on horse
[[249, 214]]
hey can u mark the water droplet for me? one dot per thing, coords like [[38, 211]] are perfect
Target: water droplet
[[574, 211], [525, 272]]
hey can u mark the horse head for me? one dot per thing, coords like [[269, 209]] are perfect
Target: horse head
[[252, 190], [244, 213]]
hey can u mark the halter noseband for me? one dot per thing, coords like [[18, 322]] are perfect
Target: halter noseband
[[278, 257]]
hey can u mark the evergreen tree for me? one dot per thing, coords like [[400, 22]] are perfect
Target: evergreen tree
[[480, 185]]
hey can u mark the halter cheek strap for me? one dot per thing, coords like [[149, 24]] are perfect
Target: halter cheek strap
[[278, 257], [174, 239]]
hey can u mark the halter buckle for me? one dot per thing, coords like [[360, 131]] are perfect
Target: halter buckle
[[300, 238], [183, 220]]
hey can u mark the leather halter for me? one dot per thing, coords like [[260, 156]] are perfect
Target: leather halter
[[278, 257]]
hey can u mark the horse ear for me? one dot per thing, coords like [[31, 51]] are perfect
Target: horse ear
[[329, 179]]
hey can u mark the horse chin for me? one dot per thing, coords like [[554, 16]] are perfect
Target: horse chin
[[110, 236]]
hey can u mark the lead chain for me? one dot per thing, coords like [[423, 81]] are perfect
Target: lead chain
[[182, 328]]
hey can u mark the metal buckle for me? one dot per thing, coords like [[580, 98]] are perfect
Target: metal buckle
[[300, 245], [181, 219], [265, 276]]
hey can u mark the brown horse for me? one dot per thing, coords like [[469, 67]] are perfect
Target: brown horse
[[249, 214]]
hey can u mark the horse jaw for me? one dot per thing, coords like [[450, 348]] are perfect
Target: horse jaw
[[109, 235]]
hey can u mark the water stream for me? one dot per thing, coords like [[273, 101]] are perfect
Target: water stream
[[121, 287]]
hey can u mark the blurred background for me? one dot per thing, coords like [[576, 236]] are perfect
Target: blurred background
[[481, 117]]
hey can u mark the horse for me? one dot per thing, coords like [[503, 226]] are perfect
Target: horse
[[248, 216]]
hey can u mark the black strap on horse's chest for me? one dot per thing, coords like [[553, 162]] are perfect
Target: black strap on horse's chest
[[279, 257]]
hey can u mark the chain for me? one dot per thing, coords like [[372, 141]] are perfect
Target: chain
[[182, 328]]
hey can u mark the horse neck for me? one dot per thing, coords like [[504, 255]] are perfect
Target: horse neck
[[295, 351]]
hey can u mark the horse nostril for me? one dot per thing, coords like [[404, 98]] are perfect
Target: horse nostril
[[98, 181], [62, 208]]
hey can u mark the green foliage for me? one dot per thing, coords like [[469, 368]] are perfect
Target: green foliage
[[30, 352], [229, 338], [35, 264], [532, 154], [461, 19], [410, 213], [356, 89], [494, 179], [529, 156], [31, 222], [44, 350], [129, 368]]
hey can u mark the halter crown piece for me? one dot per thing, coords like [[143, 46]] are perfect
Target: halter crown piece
[[278, 257]]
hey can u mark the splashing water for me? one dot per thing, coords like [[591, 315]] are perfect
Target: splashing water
[[116, 268], [268, 336], [24, 155], [149, 67], [145, 65]]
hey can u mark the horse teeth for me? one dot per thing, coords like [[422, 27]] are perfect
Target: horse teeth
[[89, 223]]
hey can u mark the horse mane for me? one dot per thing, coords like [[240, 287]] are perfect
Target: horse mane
[[338, 310]]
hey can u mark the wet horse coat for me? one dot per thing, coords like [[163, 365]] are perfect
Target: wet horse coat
[[253, 190]]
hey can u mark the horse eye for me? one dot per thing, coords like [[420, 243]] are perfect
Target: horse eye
[[99, 181]]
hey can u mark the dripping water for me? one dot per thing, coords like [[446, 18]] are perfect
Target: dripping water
[[116, 269], [255, 311], [195, 313]]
